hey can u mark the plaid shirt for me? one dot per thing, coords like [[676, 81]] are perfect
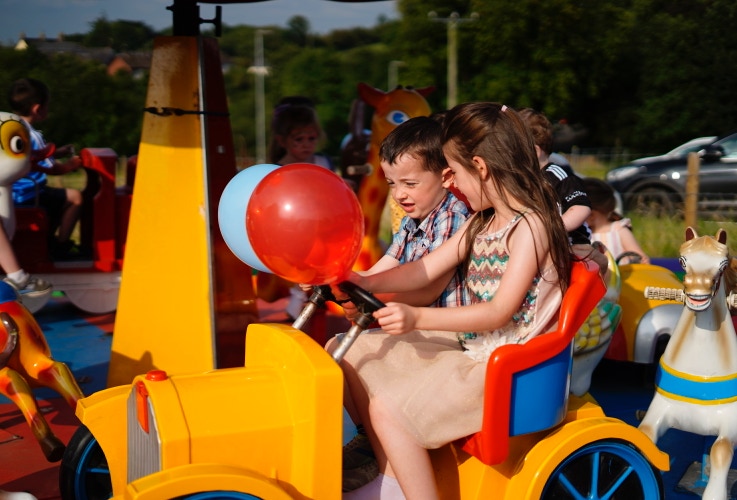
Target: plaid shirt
[[413, 241]]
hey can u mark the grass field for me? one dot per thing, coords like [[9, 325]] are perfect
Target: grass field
[[659, 237]]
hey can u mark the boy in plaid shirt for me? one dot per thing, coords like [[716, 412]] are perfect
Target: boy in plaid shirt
[[419, 180]]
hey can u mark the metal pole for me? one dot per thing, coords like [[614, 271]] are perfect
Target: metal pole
[[394, 73], [453, 60], [260, 71], [452, 43]]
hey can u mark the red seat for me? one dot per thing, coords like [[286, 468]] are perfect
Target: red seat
[[527, 385]]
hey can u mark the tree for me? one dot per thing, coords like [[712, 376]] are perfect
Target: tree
[[121, 36], [298, 31], [644, 73], [88, 108], [688, 71]]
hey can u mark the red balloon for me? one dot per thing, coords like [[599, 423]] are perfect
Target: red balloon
[[305, 224]]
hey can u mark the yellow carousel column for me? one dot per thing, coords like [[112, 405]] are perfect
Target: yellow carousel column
[[185, 300]]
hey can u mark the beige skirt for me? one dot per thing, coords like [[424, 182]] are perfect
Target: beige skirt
[[424, 379]]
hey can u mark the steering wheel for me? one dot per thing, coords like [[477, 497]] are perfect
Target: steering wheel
[[364, 300], [366, 304], [635, 258]]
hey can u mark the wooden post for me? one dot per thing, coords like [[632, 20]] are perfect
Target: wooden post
[[692, 191]]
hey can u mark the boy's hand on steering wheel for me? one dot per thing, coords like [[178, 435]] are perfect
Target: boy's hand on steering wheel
[[64, 151], [397, 318], [350, 310]]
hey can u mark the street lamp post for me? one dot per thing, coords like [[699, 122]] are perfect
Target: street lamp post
[[260, 71], [452, 22], [394, 73]]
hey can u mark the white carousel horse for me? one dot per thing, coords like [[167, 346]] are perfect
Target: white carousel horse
[[696, 382]]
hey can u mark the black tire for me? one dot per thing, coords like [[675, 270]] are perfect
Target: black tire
[[655, 202], [84, 473]]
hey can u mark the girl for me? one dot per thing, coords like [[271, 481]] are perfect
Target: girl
[[607, 226], [296, 133], [418, 383]]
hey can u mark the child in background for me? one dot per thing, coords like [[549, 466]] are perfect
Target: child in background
[[575, 205], [295, 135], [412, 160], [608, 227], [419, 382], [30, 98], [27, 286]]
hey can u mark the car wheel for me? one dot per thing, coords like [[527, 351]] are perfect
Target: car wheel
[[604, 469], [84, 474], [653, 201], [218, 495]]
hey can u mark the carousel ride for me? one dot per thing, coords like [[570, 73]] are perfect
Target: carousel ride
[[146, 436]]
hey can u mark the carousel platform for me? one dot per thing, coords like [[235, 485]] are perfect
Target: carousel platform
[[83, 342]]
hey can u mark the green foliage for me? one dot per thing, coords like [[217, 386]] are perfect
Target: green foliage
[[662, 237], [647, 74], [88, 108], [121, 36], [689, 71]]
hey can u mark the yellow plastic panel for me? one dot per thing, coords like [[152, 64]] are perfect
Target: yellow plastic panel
[[164, 317], [280, 416], [198, 478], [635, 277], [542, 460], [313, 383], [104, 414]]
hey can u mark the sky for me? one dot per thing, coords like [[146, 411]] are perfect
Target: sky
[[51, 17]]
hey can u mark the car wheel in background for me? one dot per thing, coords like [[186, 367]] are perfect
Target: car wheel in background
[[654, 202]]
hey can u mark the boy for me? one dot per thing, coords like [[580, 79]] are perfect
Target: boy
[[575, 206], [28, 287], [29, 98], [419, 180]]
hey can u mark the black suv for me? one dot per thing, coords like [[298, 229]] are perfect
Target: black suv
[[658, 184]]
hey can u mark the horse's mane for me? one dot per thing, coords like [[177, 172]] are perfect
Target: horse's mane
[[730, 276]]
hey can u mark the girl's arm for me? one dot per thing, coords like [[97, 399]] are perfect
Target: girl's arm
[[385, 263], [424, 296], [419, 274], [629, 242], [420, 297], [528, 252]]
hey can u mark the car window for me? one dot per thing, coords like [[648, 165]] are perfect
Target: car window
[[730, 146], [692, 146]]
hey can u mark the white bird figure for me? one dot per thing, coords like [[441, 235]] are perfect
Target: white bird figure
[[15, 155]]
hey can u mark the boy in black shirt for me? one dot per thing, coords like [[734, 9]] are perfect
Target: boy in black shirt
[[575, 206]]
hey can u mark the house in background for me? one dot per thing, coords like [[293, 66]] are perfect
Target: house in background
[[136, 63]]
